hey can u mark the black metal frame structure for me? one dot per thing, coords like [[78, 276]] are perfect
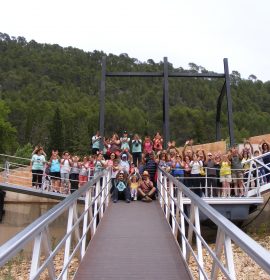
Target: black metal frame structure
[[165, 75]]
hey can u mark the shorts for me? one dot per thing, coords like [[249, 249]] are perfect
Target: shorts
[[236, 176], [226, 178], [55, 175], [82, 179]]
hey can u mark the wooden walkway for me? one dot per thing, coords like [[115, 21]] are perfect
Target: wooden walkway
[[133, 241]]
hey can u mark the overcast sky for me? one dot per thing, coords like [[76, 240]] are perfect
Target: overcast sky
[[198, 31]]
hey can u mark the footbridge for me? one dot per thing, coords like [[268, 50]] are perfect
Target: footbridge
[[159, 240]]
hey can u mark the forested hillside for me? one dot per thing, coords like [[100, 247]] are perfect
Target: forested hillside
[[50, 94]]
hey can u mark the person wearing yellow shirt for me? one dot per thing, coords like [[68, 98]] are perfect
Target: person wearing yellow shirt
[[225, 176], [134, 184]]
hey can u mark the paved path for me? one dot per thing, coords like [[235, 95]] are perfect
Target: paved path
[[133, 241]]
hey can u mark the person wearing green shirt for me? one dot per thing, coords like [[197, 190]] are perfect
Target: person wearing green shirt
[[37, 163]]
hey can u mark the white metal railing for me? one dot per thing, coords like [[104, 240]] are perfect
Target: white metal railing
[[79, 227], [253, 184], [13, 171], [185, 224], [254, 179]]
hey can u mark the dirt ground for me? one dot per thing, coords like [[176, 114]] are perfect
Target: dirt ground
[[245, 268]]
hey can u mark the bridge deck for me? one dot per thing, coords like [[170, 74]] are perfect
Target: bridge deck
[[133, 241]]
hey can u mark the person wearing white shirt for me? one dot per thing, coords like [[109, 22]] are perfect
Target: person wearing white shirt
[[196, 165]]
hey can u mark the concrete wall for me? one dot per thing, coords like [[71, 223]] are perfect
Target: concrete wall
[[21, 210]]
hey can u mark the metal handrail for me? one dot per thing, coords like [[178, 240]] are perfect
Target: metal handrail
[[46, 184], [208, 190], [9, 156], [93, 211], [227, 231], [258, 180]]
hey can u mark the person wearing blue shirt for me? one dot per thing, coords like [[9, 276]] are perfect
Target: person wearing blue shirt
[[121, 187]]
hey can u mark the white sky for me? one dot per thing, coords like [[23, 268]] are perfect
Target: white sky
[[199, 31]]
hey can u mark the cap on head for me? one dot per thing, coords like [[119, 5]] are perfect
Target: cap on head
[[145, 173]]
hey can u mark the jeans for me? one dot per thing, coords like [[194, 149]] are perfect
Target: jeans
[[125, 193], [37, 178]]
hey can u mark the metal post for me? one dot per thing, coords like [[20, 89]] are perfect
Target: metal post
[[166, 120], [229, 101], [102, 102], [219, 103]]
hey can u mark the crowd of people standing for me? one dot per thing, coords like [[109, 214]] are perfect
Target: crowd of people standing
[[134, 161]]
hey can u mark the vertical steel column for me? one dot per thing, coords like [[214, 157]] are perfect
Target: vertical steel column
[[166, 120], [229, 101], [102, 101], [218, 115]]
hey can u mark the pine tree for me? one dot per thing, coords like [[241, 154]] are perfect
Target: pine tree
[[56, 132]]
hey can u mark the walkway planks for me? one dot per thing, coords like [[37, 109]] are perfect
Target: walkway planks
[[133, 241]]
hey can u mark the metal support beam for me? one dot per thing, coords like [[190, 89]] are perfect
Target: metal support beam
[[196, 75], [229, 101], [166, 117], [135, 74], [219, 103], [102, 101], [160, 74], [166, 75]]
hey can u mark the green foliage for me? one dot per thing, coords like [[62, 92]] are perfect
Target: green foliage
[[50, 96], [56, 132], [7, 131], [24, 151]]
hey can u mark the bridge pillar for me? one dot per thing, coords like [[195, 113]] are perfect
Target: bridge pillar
[[102, 102], [229, 101], [166, 117], [226, 89]]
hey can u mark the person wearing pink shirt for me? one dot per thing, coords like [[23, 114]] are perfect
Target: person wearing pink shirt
[[147, 145]]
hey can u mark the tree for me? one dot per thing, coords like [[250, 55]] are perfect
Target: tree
[[193, 67], [56, 132], [8, 139], [235, 78], [252, 77], [34, 77]]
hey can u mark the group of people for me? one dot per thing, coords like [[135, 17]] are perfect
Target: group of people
[[133, 163], [66, 173], [218, 174]]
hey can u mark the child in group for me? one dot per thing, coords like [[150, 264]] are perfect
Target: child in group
[[83, 175], [133, 170], [47, 182], [134, 184], [225, 176], [66, 163]]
